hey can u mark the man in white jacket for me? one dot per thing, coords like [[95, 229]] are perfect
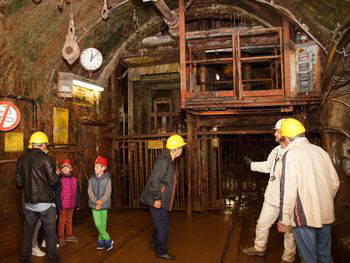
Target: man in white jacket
[[309, 183], [270, 209]]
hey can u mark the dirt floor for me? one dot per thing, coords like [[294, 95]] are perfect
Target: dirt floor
[[216, 236]]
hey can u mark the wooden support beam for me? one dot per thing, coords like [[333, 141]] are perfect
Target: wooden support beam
[[115, 116], [190, 159], [130, 105]]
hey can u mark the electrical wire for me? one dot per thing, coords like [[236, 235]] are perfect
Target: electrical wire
[[339, 130], [340, 101], [188, 4]]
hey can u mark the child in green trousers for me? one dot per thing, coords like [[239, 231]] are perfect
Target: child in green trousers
[[100, 188]]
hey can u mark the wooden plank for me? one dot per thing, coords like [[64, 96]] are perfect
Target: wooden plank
[[189, 162], [130, 105]]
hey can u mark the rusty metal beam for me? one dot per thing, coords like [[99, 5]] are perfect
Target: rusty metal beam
[[229, 59], [286, 58], [8, 161], [182, 49], [228, 32], [155, 41]]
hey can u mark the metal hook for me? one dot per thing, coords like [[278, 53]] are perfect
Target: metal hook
[[105, 11], [125, 31], [136, 25]]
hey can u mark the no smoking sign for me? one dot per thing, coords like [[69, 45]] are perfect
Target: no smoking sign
[[9, 116]]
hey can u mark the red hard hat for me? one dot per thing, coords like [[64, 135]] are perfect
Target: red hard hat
[[101, 160], [66, 162]]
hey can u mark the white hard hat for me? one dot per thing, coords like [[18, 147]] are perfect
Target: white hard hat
[[279, 124]]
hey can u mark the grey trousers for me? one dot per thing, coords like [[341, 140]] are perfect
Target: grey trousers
[[36, 232]]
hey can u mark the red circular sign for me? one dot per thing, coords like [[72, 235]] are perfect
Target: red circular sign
[[9, 116]]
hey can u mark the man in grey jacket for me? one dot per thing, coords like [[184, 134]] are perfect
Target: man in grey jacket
[[159, 194]]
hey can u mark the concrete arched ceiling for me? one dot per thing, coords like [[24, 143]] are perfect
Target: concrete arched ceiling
[[33, 34]]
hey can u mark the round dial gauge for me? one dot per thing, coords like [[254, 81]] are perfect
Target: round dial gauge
[[91, 59]]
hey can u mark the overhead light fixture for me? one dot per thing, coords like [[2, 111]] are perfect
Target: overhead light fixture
[[67, 81], [87, 85], [217, 76]]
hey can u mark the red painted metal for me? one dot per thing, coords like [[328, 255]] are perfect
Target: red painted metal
[[261, 58], [215, 94], [281, 60], [234, 64], [182, 46], [258, 93], [238, 96], [286, 56], [239, 67]]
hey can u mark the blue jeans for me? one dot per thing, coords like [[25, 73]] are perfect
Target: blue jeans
[[160, 229], [314, 244]]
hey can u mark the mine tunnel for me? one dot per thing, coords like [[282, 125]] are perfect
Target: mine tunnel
[[108, 83]]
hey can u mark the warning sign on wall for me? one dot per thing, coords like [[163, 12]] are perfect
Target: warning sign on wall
[[60, 126], [14, 142], [9, 116]]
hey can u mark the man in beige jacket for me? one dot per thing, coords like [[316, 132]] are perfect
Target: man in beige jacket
[[309, 183], [270, 210]]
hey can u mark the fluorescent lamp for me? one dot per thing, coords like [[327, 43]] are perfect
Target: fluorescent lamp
[[87, 85], [217, 76]]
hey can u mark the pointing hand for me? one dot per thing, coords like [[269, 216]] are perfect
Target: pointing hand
[[247, 161]]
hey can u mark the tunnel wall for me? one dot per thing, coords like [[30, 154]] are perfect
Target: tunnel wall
[[85, 142]]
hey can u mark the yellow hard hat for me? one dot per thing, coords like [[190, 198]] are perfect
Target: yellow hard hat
[[175, 141], [38, 137], [291, 128]]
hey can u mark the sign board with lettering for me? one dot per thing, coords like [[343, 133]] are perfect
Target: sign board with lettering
[[155, 145], [14, 142]]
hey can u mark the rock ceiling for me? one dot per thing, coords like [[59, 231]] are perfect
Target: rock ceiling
[[34, 33]]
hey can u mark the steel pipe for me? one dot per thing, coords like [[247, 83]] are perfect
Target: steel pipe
[[170, 18]]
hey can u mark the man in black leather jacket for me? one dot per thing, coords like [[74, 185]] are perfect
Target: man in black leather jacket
[[159, 194], [35, 174]]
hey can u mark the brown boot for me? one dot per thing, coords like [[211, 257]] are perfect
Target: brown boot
[[251, 251], [72, 239], [62, 242]]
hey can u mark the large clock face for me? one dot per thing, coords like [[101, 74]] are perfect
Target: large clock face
[[91, 59]]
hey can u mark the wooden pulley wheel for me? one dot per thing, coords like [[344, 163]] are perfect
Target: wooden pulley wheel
[[71, 50]]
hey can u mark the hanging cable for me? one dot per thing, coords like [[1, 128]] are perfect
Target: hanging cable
[[188, 4], [125, 31]]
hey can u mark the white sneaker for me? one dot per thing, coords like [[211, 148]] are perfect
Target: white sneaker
[[44, 244], [37, 252]]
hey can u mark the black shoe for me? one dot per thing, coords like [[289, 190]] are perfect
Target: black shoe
[[152, 246], [166, 256]]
